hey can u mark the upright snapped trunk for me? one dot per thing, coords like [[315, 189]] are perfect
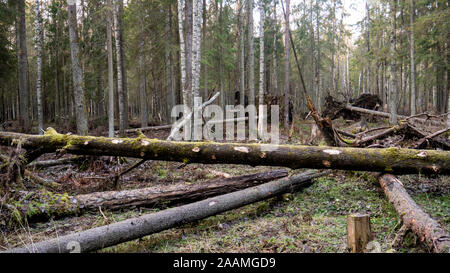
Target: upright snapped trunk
[[77, 73], [39, 68], [21, 33]]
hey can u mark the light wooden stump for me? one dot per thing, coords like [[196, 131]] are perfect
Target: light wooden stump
[[359, 232]]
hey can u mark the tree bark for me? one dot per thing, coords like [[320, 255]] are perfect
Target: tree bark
[[393, 96], [123, 112], [39, 68], [142, 77], [77, 73], [110, 69], [109, 235], [251, 54], [158, 196], [24, 119], [413, 63], [286, 68], [261, 117], [392, 160], [413, 217]]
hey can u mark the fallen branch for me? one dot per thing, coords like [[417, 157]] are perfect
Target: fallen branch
[[392, 160], [113, 234], [52, 163], [426, 228]]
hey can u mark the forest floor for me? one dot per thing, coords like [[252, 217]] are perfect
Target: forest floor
[[313, 220]]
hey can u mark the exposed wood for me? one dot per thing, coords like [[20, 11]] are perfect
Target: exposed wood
[[359, 232], [123, 231], [413, 217], [157, 196], [392, 160]]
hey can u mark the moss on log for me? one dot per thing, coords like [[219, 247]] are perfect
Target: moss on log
[[390, 160]]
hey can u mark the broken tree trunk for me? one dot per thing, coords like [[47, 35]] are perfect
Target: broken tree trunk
[[391, 160], [54, 162], [109, 235], [387, 115], [147, 197], [426, 228]]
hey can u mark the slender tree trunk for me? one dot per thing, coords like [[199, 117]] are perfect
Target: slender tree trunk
[[368, 48], [120, 85], [317, 77], [261, 117], [333, 58], [24, 119], [110, 70], [77, 73], [286, 68], [274, 54], [39, 68], [393, 97], [142, 80], [242, 55], [251, 53]]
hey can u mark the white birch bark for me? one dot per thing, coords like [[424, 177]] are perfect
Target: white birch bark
[[261, 117], [110, 70], [39, 68]]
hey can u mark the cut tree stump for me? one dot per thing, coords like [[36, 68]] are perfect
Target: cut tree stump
[[391, 160], [413, 217], [123, 231], [359, 232]]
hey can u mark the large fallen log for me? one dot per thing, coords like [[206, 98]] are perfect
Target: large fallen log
[[391, 160], [109, 235], [413, 218], [54, 205]]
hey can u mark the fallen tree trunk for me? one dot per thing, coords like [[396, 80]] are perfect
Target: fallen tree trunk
[[413, 218], [52, 163], [387, 115], [391, 160], [109, 235], [146, 197]]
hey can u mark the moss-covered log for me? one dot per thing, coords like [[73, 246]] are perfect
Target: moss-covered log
[[109, 235], [413, 217], [391, 160], [44, 205]]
